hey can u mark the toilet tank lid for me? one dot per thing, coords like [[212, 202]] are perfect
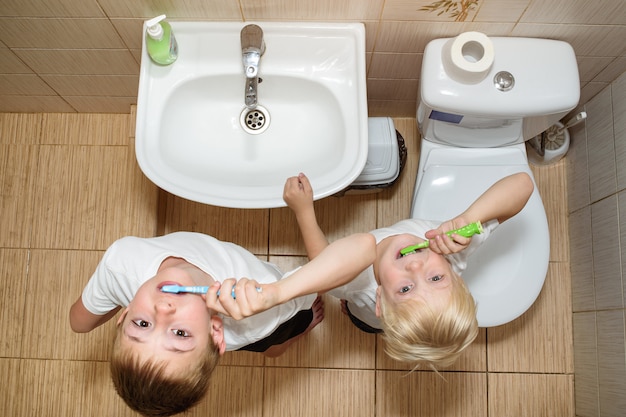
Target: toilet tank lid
[[545, 73]]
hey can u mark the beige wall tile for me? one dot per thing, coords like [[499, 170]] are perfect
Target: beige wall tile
[[586, 40], [380, 89], [575, 11], [581, 260], [59, 33], [130, 30], [34, 104], [577, 179], [618, 98], [94, 85], [11, 64], [79, 61], [412, 37], [428, 394], [194, 9], [589, 67], [426, 10], [94, 104], [541, 339], [601, 148], [586, 364], [24, 85], [391, 65], [318, 10], [591, 89], [346, 393], [18, 166], [13, 276], [613, 71], [518, 395], [385, 108], [611, 362], [58, 8], [606, 254], [501, 10]]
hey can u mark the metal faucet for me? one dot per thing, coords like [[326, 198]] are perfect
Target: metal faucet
[[252, 47]]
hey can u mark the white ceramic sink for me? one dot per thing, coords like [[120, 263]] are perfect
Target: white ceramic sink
[[190, 139]]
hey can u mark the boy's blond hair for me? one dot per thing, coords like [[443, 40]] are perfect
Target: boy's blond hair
[[147, 388], [415, 333]]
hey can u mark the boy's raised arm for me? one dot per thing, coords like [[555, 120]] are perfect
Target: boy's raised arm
[[298, 194], [336, 265], [503, 200]]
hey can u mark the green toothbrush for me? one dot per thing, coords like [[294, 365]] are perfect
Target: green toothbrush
[[466, 231]]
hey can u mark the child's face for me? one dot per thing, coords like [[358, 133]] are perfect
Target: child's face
[[424, 275], [174, 328]]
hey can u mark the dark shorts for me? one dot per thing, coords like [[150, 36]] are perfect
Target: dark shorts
[[360, 324], [288, 330]]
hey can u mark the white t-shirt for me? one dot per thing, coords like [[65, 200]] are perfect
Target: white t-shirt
[[361, 291], [131, 261]]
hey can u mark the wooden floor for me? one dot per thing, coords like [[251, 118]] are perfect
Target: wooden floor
[[70, 186]]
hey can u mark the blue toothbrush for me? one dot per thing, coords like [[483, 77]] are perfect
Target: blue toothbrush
[[175, 289]]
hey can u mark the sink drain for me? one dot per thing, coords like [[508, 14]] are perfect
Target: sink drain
[[255, 121]]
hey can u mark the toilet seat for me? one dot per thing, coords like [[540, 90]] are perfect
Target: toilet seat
[[505, 275]]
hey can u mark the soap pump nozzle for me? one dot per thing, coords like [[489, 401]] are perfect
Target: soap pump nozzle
[[155, 30]]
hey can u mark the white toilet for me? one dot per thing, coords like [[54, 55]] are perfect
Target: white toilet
[[473, 132]]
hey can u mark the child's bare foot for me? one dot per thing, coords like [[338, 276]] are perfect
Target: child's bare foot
[[344, 307], [318, 316]]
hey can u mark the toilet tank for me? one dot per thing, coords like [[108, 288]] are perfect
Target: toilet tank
[[545, 88]]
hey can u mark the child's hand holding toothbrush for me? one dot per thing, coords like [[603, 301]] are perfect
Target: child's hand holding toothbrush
[[250, 297]]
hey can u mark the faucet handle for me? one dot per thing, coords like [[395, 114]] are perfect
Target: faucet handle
[[252, 39]]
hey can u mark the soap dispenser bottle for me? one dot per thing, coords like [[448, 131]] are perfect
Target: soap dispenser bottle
[[160, 41]]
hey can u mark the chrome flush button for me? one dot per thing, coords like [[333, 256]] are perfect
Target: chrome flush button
[[504, 81]]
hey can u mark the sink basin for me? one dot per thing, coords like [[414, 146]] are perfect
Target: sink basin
[[196, 139]]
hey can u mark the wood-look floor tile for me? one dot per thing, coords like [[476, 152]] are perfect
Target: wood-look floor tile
[[474, 358], [246, 228], [334, 343], [291, 392], [55, 280], [452, 394], [18, 167], [67, 388], [10, 371], [20, 128], [85, 129], [551, 183], [233, 391], [523, 395], [541, 339], [13, 270], [337, 216], [86, 197]]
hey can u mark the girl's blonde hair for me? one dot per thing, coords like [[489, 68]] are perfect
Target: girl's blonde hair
[[416, 333]]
